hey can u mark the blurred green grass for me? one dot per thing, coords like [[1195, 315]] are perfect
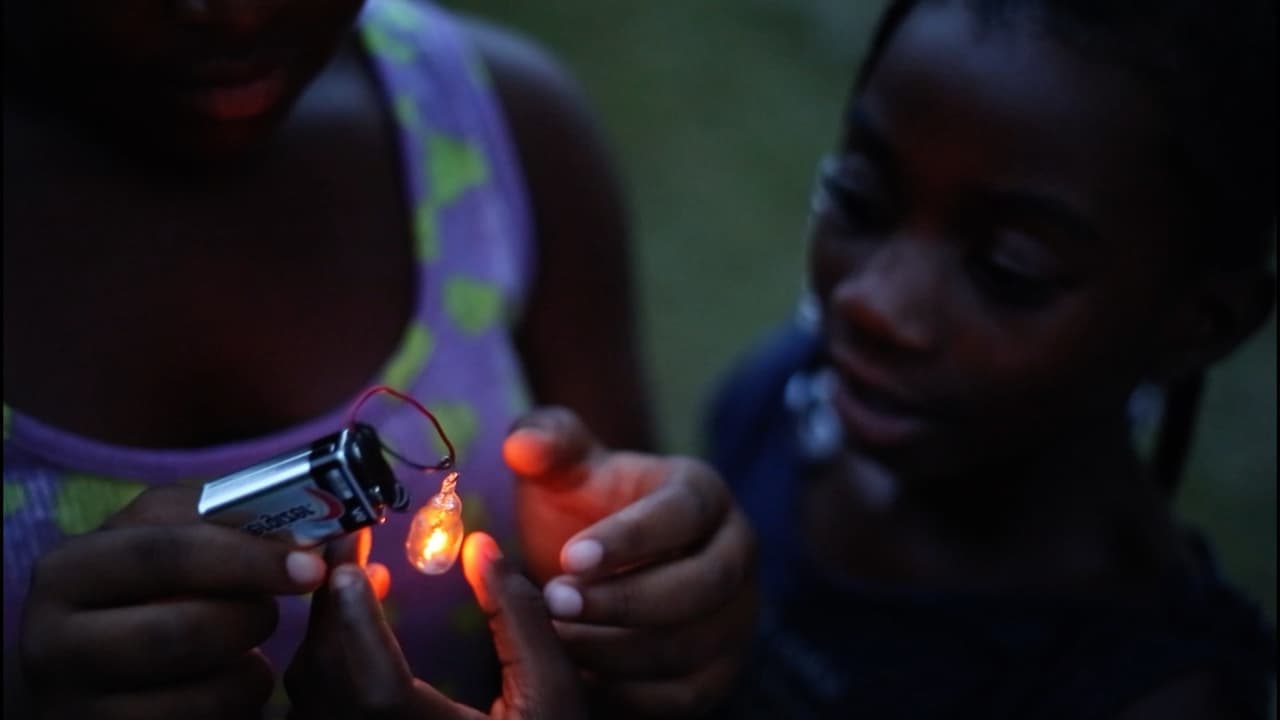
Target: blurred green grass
[[718, 110]]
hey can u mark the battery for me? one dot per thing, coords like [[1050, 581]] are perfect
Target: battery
[[335, 486]]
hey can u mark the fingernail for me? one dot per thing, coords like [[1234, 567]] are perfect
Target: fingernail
[[345, 577], [524, 451], [303, 567], [582, 556], [492, 551], [562, 600]]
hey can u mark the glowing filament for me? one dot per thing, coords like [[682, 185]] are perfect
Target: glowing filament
[[435, 536]]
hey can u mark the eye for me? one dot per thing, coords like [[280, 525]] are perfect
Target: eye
[[850, 199], [1016, 271], [1011, 287]]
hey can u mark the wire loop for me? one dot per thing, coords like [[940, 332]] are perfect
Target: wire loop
[[446, 463]]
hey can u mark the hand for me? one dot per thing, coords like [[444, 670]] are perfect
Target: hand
[[351, 665], [157, 615], [647, 562]]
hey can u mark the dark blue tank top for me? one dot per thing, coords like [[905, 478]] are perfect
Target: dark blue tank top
[[828, 647]]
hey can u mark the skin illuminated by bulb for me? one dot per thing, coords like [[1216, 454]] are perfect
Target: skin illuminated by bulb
[[435, 536]]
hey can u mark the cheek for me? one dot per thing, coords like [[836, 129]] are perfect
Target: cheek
[[829, 262], [1077, 361]]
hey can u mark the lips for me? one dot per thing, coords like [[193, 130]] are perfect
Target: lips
[[235, 87], [875, 410]]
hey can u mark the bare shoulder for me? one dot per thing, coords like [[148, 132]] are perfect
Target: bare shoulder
[[560, 146], [1193, 696], [581, 232], [528, 79]]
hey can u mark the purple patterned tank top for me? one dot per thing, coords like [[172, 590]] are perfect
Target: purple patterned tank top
[[474, 251]]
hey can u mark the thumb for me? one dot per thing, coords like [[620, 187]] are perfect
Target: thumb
[[547, 443], [380, 675], [537, 678], [353, 548]]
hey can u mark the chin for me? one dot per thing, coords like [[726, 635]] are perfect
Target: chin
[[931, 465], [227, 142], [199, 143]]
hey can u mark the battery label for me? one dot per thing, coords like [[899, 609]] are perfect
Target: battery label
[[320, 508], [304, 511]]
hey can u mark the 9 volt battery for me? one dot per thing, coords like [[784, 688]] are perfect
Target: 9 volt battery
[[333, 487]]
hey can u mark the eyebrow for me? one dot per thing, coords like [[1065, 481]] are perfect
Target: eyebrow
[[871, 141]]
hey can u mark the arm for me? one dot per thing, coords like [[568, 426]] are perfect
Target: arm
[[577, 338]]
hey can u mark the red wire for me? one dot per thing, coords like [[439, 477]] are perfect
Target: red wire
[[385, 390]]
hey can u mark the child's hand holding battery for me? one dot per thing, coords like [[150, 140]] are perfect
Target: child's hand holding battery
[[157, 615], [350, 665]]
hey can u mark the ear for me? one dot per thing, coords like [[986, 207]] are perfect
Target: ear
[[1223, 310]]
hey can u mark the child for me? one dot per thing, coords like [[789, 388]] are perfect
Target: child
[[222, 222], [1035, 206]]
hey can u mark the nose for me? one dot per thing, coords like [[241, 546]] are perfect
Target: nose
[[891, 301]]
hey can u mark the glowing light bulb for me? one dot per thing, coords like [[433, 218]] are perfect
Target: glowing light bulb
[[435, 536]]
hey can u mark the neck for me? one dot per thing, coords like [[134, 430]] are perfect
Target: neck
[[1079, 515]]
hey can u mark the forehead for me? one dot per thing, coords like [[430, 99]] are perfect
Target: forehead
[[1007, 102]]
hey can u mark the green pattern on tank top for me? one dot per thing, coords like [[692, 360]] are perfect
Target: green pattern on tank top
[[83, 502], [415, 351], [458, 420], [426, 231], [475, 515], [455, 166], [15, 498], [407, 113], [473, 305], [385, 46], [403, 18]]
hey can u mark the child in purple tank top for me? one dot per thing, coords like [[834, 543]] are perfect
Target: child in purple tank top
[[224, 221]]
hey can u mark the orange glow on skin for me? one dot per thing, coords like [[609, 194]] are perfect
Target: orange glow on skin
[[478, 554]]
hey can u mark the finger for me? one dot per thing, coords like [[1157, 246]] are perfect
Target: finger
[[628, 654], [317, 675], [380, 676], [148, 645], [536, 672], [377, 679], [239, 691], [317, 664], [548, 444], [379, 579], [139, 563], [691, 696], [663, 594], [161, 505], [479, 551], [681, 512], [353, 548]]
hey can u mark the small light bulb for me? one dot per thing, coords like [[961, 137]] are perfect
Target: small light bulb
[[435, 536]]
